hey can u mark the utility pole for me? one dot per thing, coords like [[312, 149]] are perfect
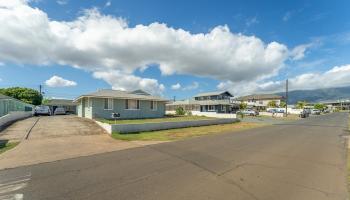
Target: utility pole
[[174, 98], [287, 97], [40, 87]]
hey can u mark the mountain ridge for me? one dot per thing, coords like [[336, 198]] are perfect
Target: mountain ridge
[[317, 95]]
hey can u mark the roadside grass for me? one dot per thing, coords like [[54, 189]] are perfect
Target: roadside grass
[[7, 146], [290, 117], [168, 118], [182, 133]]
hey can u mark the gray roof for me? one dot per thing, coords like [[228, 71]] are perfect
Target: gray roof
[[119, 94], [259, 97], [205, 102], [5, 97], [60, 102], [212, 93]]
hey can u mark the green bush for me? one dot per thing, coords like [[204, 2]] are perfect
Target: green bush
[[180, 111]]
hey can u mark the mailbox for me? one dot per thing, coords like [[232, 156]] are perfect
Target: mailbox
[[115, 115]]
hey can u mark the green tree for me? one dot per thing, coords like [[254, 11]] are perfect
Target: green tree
[[319, 106], [282, 104], [27, 95], [272, 104], [180, 111], [301, 104], [243, 106]]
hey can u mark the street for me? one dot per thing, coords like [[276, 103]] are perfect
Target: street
[[304, 159]]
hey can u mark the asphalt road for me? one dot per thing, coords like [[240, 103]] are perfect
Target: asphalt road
[[300, 160]]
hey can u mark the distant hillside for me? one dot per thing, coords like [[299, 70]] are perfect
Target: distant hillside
[[317, 95]]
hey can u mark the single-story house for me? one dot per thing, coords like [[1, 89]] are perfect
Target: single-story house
[[136, 104], [68, 105]]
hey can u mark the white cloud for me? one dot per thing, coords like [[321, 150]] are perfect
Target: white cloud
[[0, 79], [123, 81], [287, 16], [193, 86], [299, 51], [338, 76], [57, 81], [108, 3], [251, 21], [62, 2], [97, 42], [176, 86]]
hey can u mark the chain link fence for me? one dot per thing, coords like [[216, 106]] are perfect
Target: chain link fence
[[8, 104]]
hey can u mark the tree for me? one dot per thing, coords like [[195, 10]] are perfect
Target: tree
[[319, 106], [301, 104], [243, 106], [27, 95], [272, 104], [282, 104]]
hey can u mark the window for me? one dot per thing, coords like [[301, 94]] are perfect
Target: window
[[211, 108], [108, 104], [153, 105], [132, 104]]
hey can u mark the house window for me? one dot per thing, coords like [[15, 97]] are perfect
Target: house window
[[211, 108], [132, 104], [153, 105], [108, 104]]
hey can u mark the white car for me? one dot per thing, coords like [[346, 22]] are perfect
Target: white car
[[315, 112], [60, 111], [42, 110], [249, 112]]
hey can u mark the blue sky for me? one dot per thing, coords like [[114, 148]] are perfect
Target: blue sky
[[310, 41]]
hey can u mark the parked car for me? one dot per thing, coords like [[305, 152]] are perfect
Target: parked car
[[42, 110], [60, 111], [304, 114], [315, 112], [249, 112]]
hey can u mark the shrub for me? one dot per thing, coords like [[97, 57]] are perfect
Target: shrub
[[189, 113], [180, 111]]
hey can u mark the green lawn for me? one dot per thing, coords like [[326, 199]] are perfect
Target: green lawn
[[181, 133], [7, 146], [169, 118]]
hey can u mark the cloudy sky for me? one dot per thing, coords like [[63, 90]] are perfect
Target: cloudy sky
[[173, 48]]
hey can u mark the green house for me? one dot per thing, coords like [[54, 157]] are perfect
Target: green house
[[128, 104]]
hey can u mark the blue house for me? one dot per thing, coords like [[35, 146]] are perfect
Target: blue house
[[136, 104]]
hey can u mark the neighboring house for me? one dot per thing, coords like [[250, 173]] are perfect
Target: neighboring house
[[219, 102], [343, 104], [129, 104], [68, 105], [260, 101]]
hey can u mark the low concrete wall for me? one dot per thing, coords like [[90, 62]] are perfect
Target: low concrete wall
[[132, 128], [207, 114], [271, 114], [12, 117], [216, 115]]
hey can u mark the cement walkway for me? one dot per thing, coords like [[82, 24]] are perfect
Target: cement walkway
[[56, 138]]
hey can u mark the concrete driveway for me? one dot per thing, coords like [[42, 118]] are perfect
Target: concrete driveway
[[55, 138]]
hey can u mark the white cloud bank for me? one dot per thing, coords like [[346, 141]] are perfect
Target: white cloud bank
[[97, 43], [112, 51], [57, 81], [338, 76]]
